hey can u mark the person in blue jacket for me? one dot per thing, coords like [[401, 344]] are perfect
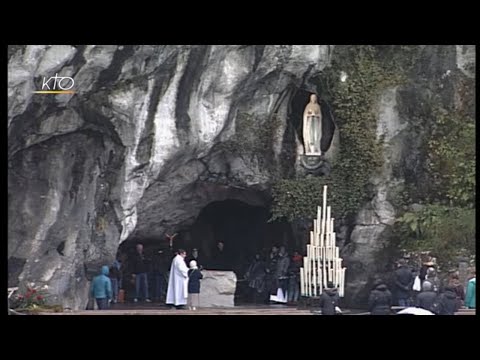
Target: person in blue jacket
[[470, 297], [101, 289]]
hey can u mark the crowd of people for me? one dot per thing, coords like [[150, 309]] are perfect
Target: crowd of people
[[275, 277], [138, 277], [271, 277], [424, 290]]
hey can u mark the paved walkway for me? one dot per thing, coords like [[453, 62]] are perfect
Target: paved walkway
[[157, 309], [145, 309]]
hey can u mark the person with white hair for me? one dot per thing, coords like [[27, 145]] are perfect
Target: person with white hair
[[432, 278], [427, 297], [194, 277]]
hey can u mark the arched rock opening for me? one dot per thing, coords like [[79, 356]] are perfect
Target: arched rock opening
[[243, 228]]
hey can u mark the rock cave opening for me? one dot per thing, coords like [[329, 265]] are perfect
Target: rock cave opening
[[244, 229]]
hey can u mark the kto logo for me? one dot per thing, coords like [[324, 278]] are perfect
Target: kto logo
[[57, 85]]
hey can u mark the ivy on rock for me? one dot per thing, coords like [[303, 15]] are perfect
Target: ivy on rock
[[354, 104]]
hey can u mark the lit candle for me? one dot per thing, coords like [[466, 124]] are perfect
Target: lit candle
[[317, 271], [302, 285], [307, 278], [335, 273], [341, 285], [305, 265], [324, 208], [339, 269], [328, 225], [309, 288], [324, 267], [319, 214], [329, 216]]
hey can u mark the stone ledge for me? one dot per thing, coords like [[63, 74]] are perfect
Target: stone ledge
[[217, 288]]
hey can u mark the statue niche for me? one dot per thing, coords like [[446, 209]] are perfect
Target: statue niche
[[312, 127]]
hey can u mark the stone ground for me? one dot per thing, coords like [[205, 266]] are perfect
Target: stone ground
[[160, 309], [156, 309]]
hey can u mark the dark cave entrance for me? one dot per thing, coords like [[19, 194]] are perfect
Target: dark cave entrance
[[244, 229]]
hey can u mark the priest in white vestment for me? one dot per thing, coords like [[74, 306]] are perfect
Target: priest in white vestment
[[177, 292]]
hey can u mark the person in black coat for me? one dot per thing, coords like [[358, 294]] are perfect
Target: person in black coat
[[140, 269], [256, 277], [329, 300], [403, 283], [427, 297], [220, 260], [380, 299], [160, 267], [281, 270], [446, 303], [271, 280], [194, 277], [459, 288]]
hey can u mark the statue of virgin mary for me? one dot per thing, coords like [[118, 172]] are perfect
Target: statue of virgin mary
[[312, 127]]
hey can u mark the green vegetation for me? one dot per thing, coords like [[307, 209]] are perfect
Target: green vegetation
[[451, 159], [447, 222], [360, 155], [439, 228]]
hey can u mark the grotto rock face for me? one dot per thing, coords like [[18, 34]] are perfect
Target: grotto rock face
[[439, 72], [155, 133], [138, 149], [375, 219]]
